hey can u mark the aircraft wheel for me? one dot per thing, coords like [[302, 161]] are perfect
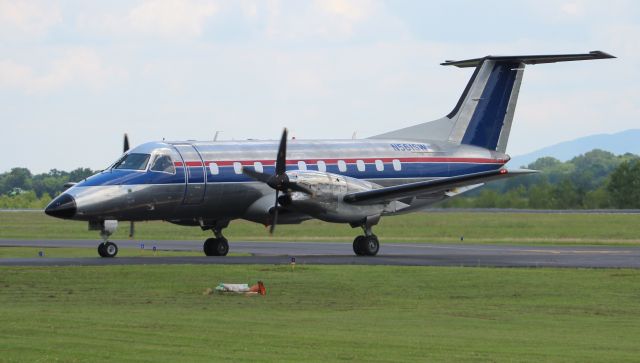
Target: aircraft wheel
[[370, 245], [357, 245], [107, 249], [216, 247], [101, 250]]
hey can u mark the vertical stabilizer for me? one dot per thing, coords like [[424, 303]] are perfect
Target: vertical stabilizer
[[488, 107], [484, 113]]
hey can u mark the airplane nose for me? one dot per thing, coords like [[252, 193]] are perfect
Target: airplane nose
[[62, 207]]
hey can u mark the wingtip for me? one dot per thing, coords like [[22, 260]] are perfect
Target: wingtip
[[602, 54]]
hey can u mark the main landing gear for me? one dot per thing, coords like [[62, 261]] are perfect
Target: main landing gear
[[217, 246], [367, 245]]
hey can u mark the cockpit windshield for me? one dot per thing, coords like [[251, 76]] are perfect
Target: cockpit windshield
[[163, 163], [133, 161]]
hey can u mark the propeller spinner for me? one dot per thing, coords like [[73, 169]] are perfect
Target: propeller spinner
[[278, 181]]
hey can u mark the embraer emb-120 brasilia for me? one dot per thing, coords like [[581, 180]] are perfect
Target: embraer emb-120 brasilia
[[210, 183]]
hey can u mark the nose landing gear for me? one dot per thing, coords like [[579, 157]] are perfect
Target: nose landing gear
[[106, 228], [107, 249]]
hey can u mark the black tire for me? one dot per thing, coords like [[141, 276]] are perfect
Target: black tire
[[357, 246], [108, 249], [216, 247], [370, 245], [101, 250]]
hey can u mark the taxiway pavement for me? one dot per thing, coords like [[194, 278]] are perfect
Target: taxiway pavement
[[339, 253]]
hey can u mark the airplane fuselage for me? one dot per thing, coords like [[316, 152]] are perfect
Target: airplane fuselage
[[207, 181]]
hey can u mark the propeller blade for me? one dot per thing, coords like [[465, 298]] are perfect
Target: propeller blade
[[126, 143], [265, 178], [272, 228], [131, 229], [299, 188], [281, 159]]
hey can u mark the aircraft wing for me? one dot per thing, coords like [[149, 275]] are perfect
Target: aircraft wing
[[431, 186]]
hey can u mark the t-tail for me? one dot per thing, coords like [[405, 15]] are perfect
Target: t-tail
[[484, 113]]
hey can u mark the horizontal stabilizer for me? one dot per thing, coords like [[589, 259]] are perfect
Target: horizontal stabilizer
[[531, 59], [431, 186]]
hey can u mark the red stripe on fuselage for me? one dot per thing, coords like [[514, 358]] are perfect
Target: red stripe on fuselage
[[349, 161]]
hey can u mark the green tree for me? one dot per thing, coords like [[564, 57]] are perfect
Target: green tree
[[487, 199], [624, 185], [566, 196], [597, 199], [592, 168], [541, 196], [17, 178]]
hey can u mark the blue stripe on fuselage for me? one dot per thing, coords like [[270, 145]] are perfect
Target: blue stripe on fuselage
[[227, 174], [133, 177]]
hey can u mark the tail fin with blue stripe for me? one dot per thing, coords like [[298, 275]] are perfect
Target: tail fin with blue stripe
[[484, 113]]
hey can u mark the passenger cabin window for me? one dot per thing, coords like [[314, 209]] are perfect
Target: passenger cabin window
[[360, 165], [163, 164], [213, 168], [258, 167], [302, 165], [397, 165], [237, 167], [322, 166], [342, 166], [379, 165], [133, 161]]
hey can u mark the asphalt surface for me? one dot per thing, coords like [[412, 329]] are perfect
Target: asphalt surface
[[336, 253]]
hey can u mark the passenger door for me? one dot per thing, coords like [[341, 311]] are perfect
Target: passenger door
[[196, 185]]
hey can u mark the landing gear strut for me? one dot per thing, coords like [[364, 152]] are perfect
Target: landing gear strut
[[367, 245], [217, 246], [107, 227]]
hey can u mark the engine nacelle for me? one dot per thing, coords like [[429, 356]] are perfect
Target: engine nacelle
[[325, 202]]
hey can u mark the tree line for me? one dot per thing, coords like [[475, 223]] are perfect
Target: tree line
[[19, 188], [595, 180]]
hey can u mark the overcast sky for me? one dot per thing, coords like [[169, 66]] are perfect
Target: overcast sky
[[76, 75]]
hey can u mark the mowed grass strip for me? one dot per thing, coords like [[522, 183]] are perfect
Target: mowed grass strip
[[482, 227], [319, 313]]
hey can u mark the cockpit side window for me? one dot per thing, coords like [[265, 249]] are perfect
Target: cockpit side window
[[133, 161], [164, 164]]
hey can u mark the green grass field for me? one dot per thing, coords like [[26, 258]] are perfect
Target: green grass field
[[319, 313], [324, 313], [417, 227]]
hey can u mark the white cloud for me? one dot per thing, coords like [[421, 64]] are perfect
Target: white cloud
[[174, 19], [78, 67], [171, 17], [574, 8], [352, 10], [27, 18], [324, 19]]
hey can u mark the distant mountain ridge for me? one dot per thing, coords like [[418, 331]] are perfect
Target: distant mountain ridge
[[627, 141]]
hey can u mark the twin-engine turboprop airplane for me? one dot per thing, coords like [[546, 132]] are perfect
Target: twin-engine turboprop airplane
[[208, 184]]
